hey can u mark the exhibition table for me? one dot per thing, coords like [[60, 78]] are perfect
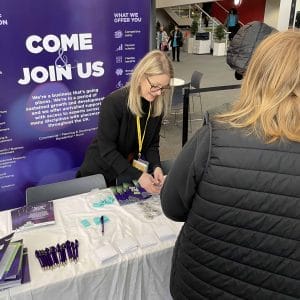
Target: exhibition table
[[177, 82], [140, 274]]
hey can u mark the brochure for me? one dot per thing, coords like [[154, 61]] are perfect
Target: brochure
[[15, 270], [4, 242], [9, 259], [18, 272], [30, 216], [128, 193]]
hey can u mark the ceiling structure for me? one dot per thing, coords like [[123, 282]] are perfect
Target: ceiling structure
[[170, 3]]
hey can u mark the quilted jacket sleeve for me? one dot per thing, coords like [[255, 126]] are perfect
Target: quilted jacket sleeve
[[182, 181]]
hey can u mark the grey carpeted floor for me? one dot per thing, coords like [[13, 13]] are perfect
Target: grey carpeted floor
[[215, 73]]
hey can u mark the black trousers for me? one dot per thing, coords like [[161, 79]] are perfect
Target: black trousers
[[233, 30], [177, 50]]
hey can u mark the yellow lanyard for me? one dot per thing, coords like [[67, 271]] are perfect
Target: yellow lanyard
[[138, 126]]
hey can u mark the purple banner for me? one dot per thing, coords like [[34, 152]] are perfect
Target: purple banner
[[58, 60]]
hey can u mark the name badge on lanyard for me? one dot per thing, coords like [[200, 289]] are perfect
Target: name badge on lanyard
[[139, 163]]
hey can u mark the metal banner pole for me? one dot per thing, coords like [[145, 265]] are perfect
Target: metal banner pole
[[186, 101], [185, 115]]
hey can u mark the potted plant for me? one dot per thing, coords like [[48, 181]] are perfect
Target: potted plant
[[194, 26], [194, 30], [219, 47]]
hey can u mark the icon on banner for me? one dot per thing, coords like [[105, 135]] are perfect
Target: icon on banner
[[120, 48], [119, 84], [119, 59], [119, 72], [118, 34]]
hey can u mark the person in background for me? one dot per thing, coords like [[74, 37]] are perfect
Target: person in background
[[126, 146], [232, 22], [162, 39], [205, 20], [176, 42], [236, 185]]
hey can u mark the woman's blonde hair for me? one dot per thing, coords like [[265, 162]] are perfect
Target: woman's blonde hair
[[269, 104], [153, 63]]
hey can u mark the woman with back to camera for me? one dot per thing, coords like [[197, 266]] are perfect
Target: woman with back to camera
[[236, 185], [126, 147]]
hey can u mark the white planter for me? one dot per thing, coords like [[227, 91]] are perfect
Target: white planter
[[201, 47], [190, 44], [219, 49]]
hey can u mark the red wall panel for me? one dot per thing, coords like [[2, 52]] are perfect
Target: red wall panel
[[249, 10]]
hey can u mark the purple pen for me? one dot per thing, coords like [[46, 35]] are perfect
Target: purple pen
[[69, 250], [76, 249], [63, 254], [49, 260], [73, 251], [53, 253], [39, 257]]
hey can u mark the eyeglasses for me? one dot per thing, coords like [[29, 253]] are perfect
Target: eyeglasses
[[156, 88]]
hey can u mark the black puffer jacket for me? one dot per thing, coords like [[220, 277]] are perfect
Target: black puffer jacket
[[241, 207]]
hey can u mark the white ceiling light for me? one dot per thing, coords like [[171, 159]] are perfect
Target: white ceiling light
[[237, 2]]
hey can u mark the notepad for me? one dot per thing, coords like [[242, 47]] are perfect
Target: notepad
[[106, 253], [146, 240], [164, 232], [127, 245]]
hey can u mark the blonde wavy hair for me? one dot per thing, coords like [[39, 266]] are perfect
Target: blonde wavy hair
[[153, 63], [269, 104]]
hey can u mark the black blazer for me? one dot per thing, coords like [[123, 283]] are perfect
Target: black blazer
[[116, 140], [178, 38]]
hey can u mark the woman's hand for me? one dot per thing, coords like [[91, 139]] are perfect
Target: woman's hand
[[147, 182], [158, 176]]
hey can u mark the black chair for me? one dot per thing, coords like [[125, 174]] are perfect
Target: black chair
[[177, 100], [195, 84], [52, 191]]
